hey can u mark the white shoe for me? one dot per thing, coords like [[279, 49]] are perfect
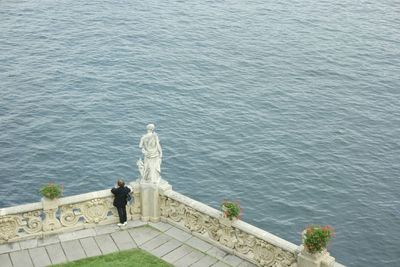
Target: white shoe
[[120, 224], [125, 223]]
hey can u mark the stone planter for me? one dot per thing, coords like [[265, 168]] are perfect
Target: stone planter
[[49, 204], [226, 221], [50, 207], [321, 259]]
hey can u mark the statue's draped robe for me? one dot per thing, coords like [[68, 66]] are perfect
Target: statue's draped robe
[[152, 160]]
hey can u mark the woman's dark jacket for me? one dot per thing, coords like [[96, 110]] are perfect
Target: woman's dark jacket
[[120, 194]]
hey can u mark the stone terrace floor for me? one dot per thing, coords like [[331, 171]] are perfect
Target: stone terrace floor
[[160, 239]]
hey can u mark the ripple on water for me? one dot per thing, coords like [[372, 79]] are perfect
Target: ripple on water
[[291, 108]]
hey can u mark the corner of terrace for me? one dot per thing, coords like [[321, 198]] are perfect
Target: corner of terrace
[[169, 225]]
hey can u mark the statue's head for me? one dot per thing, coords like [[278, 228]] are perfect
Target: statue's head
[[150, 127]]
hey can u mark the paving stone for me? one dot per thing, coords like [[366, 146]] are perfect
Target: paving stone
[[56, 253], [216, 253], [178, 234], [73, 250], [177, 254], [162, 226], [220, 264], [198, 244], [106, 229], [76, 235], [106, 244], [189, 259], [9, 247], [90, 247], [156, 242], [232, 260], [48, 240], [136, 223], [30, 243], [5, 260], [246, 264], [205, 261], [123, 240], [21, 258], [143, 234], [166, 248], [39, 257]]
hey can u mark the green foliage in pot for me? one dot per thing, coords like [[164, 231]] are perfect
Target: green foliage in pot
[[51, 190], [231, 209], [316, 238]]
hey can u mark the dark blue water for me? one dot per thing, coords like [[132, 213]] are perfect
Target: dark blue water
[[291, 107]]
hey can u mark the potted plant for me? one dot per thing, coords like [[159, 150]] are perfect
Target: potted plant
[[51, 191], [231, 210], [316, 238]]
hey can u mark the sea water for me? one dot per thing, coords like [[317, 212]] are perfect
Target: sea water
[[291, 107]]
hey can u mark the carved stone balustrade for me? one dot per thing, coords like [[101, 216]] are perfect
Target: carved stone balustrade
[[239, 238], [64, 214], [155, 202]]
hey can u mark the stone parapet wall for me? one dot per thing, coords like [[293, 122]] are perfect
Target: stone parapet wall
[[59, 215], [155, 202], [237, 237]]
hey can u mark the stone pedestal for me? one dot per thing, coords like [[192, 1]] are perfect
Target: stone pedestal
[[322, 259], [149, 199], [50, 207], [149, 202], [226, 221]]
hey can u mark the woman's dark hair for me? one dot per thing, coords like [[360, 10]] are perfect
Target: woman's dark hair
[[121, 183]]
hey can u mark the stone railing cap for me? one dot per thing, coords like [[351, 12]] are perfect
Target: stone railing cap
[[241, 225]]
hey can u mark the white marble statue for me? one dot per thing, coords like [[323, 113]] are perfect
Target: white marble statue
[[150, 167]]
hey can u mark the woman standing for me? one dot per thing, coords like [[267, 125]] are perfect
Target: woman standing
[[121, 192]]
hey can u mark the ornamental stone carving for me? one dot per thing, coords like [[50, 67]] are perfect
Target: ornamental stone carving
[[33, 221], [227, 236], [8, 228], [95, 210], [69, 215], [222, 231], [245, 242], [284, 258], [164, 204], [194, 220], [172, 209], [50, 207], [264, 253], [211, 226], [50, 222], [135, 207], [268, 255]]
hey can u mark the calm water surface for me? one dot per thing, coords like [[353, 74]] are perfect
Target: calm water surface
[[291, 107]]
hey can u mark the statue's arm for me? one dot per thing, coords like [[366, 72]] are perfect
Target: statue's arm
[[159, 146], [141, 143]]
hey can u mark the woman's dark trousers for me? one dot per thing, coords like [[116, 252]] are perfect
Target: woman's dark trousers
[[122, 214]]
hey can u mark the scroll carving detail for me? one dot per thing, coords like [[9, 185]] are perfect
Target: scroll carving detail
[[255, 249], [69, 216], [95, 210], [33, 221], [8, 228]]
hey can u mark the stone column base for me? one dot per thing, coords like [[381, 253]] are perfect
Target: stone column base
[[149, 202], [322, 259]]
